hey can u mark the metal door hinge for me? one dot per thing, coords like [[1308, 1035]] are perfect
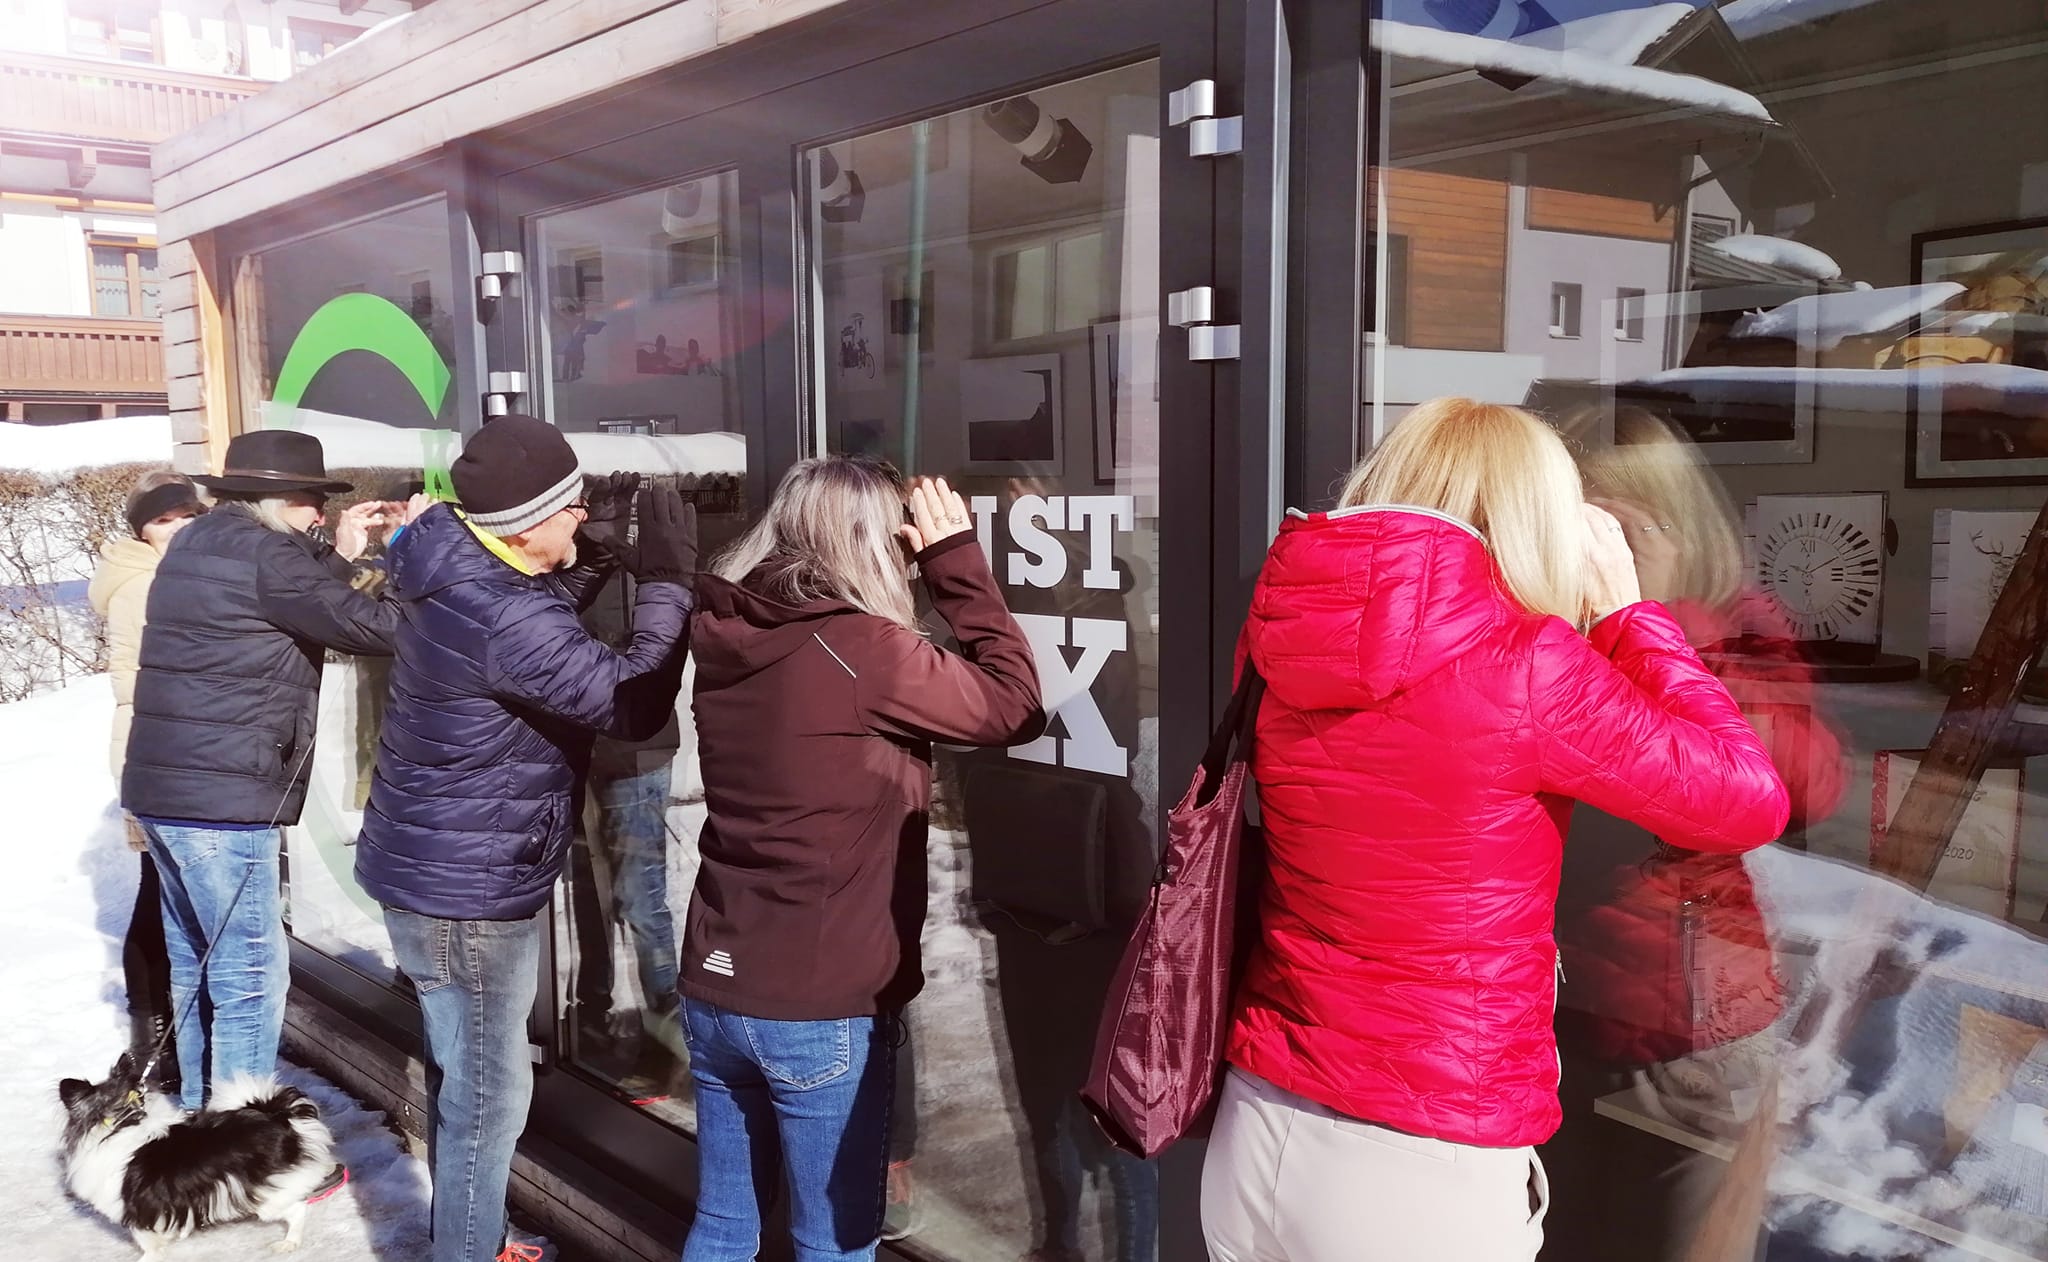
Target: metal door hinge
[[503, 388], [497, 265], [1195, 310], [1194, 107]]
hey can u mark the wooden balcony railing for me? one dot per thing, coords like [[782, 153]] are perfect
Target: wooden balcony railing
[[71, 355], [108, 100]]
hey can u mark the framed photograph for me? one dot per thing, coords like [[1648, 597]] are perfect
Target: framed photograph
[[1977, 371], [1819, 561], [1979, 868], [1124, 368], [1974, 552], [1011, 417], [1735, 415]]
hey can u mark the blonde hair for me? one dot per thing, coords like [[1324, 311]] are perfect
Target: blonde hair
[[1653, 465], [1504, 472], [830, 534]]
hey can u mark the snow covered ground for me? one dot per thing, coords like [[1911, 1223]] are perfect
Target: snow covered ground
[[63, 911]]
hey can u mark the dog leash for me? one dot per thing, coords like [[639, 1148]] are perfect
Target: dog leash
[[178, 1020]]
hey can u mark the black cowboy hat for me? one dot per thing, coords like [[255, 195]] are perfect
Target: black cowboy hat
[[274, 460]]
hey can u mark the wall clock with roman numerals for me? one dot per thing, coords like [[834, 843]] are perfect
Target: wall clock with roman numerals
[[1820, 562]]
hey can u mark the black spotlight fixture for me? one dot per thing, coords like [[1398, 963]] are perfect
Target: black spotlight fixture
[[840, 195], [1053, 149]]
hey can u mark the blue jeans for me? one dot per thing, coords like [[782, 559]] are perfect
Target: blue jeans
[[476, 981], [220, 891], [809, 1096], [632, 836]]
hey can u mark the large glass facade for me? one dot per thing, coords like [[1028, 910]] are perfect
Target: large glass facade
[[1779, 270], [986, 294], [349, 334], [637, 339]]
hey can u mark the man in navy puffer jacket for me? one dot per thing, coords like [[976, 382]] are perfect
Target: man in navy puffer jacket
[[496, 695]]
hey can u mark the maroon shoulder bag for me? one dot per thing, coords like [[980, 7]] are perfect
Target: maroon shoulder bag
[[1159, 1049]]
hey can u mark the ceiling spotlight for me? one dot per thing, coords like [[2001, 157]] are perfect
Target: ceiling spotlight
[[840, 195], [1053, 149]]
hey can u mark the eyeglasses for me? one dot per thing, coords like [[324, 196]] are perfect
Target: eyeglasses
[[579, 507]]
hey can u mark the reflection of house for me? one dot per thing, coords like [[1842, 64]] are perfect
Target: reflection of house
[[1517, 242], [85, 89]]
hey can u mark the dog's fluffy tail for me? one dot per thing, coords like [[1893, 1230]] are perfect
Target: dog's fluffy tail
[[265, 1095], [287, 1105]]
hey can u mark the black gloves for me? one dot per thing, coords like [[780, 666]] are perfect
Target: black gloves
[[602, 536], [666, 551]]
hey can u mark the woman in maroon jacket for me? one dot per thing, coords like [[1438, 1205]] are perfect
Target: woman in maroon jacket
[[817, 702], [1450, 658]]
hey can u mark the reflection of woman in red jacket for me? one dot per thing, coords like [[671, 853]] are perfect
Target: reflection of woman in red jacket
[[1672, 956], [1673, 984], [1430, 712]]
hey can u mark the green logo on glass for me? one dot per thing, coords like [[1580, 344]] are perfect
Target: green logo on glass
[[365, 322]]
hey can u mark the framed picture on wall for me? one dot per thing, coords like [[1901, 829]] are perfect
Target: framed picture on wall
[[1978, 869], [1733, 414], [1819, 562], [1977, 385], [1011, 417]]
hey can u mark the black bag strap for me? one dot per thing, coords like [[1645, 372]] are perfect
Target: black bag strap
[[1234, 731]]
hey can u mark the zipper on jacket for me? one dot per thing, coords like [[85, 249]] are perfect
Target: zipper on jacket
[[1556, 993]]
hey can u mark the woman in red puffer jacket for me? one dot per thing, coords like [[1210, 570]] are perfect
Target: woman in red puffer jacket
[[1431, 710]]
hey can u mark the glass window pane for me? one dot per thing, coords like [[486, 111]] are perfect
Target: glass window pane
[[348, 351], [110, 294], [1032, 386], [151, 285], [1023, 290], [1077, 284], [1814, 394], [640, 339]]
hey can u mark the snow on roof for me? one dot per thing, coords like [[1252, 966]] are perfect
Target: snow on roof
[[1621, 36], [1822, 321], [1750, 19], [2004, 389], [354, 443], [1570, 68], [86, 444], [1792, 256]]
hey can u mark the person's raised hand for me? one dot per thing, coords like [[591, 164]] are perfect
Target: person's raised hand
[[352, 527], [666, 551], [1611, 581], [1655, 545], [602, 536], [936, 512]]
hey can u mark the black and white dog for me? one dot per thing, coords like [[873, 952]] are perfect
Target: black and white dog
[[257, 1150]]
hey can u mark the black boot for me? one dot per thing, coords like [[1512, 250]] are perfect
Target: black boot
[[144, 1032]]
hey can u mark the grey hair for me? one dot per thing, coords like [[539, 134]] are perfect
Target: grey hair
[[830, 533], [267, 509]]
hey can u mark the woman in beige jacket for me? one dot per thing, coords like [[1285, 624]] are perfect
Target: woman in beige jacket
[[157, 509]]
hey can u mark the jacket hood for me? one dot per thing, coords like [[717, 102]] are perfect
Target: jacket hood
[[738, 632], [1355, 606], [438, 551], [122, 561]]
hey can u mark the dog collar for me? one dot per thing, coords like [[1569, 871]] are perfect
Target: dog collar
[[132, 1102]]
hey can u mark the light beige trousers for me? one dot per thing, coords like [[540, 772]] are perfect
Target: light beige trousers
[[1287, 1180]]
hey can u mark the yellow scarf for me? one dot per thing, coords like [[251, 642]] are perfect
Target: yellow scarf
[[495, 546]]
